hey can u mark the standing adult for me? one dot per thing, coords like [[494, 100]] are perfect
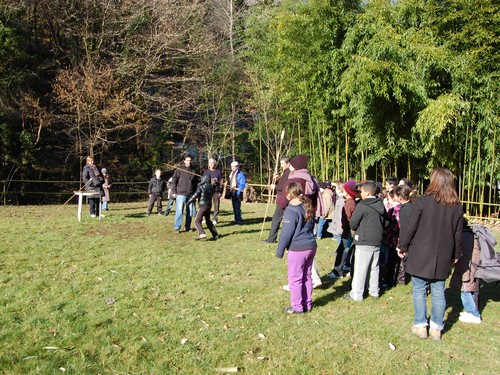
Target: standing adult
[[184, 183], [280, 190], [216, 180], [432, 241], [93, 180], [237, 182]]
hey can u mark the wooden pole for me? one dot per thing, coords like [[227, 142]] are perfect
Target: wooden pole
[[273, 181]]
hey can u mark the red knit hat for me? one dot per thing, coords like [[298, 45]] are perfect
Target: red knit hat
[[299, 162], [350, 188]]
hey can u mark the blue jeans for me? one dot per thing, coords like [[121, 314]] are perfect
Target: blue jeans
[[469, 303], [419, 302], [104, 205], [321, 224], [180, 202]]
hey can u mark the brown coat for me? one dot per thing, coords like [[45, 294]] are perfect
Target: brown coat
[[466, 267], [432, 238]]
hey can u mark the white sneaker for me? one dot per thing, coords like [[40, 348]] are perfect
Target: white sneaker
[[286, 287], [469, 318], [214, 222], [92, 216]]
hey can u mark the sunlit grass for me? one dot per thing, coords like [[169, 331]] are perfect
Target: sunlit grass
[[127, 295]]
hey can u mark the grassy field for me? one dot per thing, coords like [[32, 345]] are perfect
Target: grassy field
[[127, 295]]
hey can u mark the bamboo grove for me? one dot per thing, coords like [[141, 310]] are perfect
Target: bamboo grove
[[366, 88]]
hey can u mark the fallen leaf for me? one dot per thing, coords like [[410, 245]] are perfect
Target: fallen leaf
[[114, 271], [110, 301], [51, 348], [262, 358], [227, 369], [62, 369], [240, 315], [262, 336], [183, 341], [391, 345]]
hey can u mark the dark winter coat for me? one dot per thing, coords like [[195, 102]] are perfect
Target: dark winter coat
[[156, 186], [184, 180], [432, 237], [368, 221], [205, 191], [92, 178]]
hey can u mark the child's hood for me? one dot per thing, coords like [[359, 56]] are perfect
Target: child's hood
[[375, 203]]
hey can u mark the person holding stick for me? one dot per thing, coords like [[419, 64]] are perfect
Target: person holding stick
[[184, 183], [280, 187]]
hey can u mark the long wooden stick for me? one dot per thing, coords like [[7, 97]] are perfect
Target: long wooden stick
[[273, 181]]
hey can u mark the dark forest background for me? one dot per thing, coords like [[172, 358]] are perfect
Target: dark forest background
[[367, 89]]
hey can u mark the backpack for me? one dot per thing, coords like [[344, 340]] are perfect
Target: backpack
[[489, 265]]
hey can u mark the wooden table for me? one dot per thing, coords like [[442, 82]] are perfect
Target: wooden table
[[88, 194]]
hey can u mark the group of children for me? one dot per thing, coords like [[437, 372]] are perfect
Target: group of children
[[365, 221]]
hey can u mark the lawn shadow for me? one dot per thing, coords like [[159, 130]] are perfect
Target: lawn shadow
[[338, 291], [136, 216]]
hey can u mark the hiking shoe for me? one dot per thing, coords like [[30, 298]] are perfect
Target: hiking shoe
[[316, 286], [435, 334], [291, 310], [348, 297], [420, 332], [466, 317], [286, 287], [201, 237], [334, 275]]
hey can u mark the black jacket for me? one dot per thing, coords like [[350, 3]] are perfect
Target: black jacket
[[184, 180], [368, 221], [205, 191], [432, 238], [156, 186], [92, 180]]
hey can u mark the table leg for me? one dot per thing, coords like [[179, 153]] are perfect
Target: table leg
[[80, 201]]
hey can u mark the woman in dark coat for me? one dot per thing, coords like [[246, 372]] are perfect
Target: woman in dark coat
[[432, 242]]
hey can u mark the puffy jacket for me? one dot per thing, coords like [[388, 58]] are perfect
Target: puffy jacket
[[205, 191]]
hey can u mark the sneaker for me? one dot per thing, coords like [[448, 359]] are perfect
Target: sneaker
[[348, 297], [316, 286], [334, 275], [286, 287], [291, 310], [420, 332], [177, 231], [103, 215], [466, 317], [92, 216], [435, 334], [214, 222], [216, 237], [201, 237], [160, 213]]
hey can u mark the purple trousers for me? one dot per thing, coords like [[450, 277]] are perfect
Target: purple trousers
[[300, 280]]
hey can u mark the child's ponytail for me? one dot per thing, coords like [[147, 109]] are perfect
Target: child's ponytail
[[294, 190]]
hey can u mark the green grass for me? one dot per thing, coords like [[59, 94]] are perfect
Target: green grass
[[189, 307]]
